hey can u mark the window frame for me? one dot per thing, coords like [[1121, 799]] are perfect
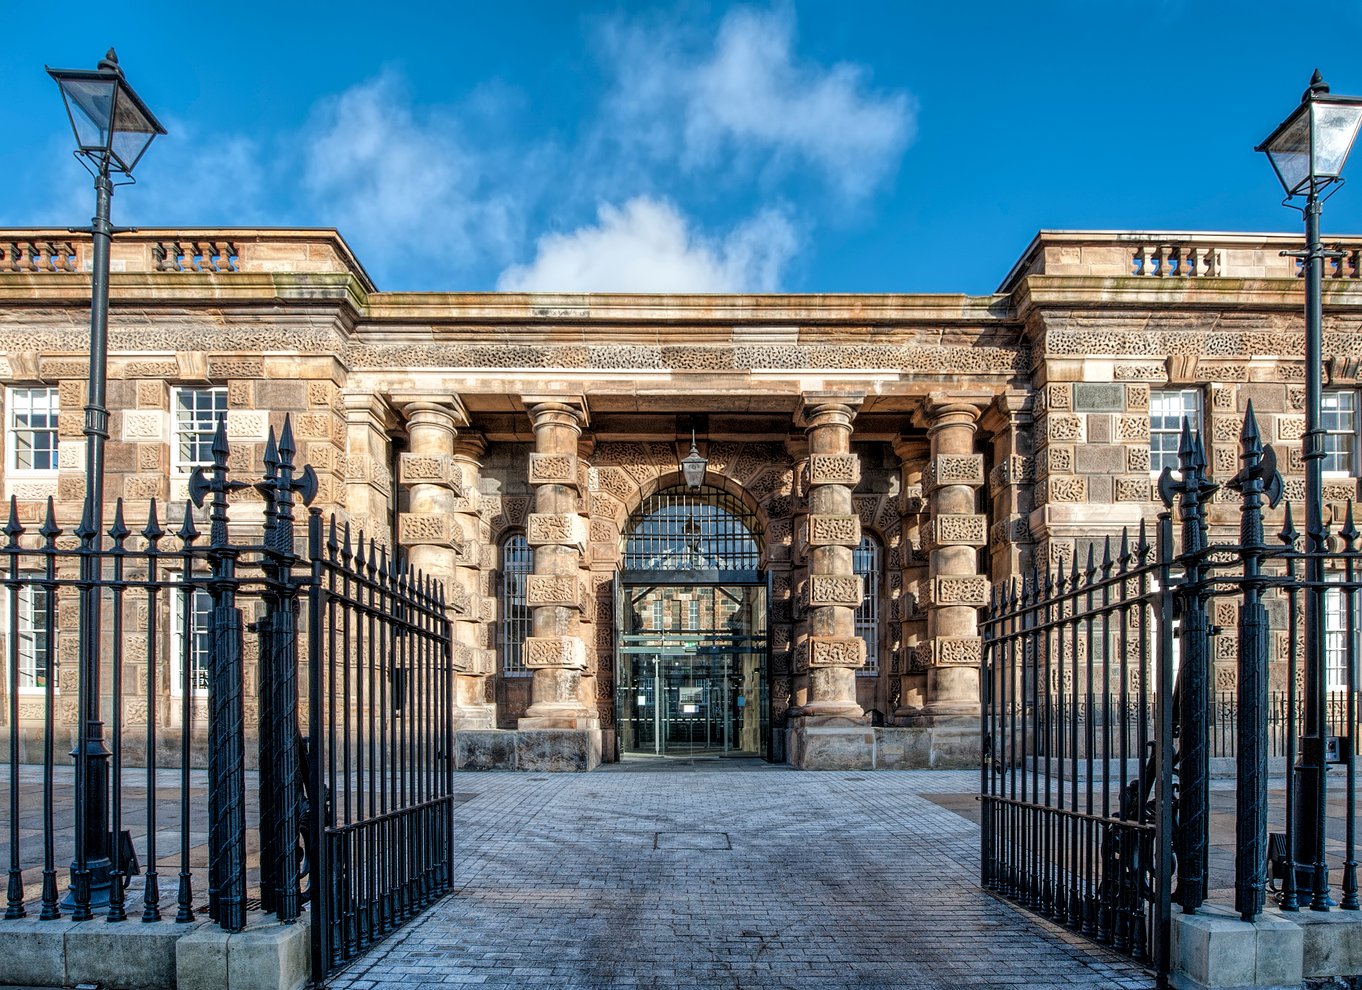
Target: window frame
[[178, 465], [31, 581], [11, 432], [1355, 434], [176, 594], [513, 630], [1156, 464], [1336, 639], [867, 614]]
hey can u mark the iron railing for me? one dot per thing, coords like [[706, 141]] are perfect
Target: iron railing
[[1096, 771], [370, 622]]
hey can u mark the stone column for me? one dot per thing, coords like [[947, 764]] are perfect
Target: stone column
[[1010, 485], [912, 453], [832, 589], [954, 536], [367, 466], [439, 532], [555, 591]]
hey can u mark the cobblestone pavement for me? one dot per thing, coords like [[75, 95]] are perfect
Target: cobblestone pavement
[[733, 874]]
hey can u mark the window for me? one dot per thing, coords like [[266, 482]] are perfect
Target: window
[[200, 649], [37, 658], [516, 562], [1340, 421], [1336, 651], [1167, 409], [694, 624], [196, 413], [33, 429], [865, 561]]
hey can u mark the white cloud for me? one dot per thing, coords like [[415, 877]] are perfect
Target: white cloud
[[647, 245], [747, 101], [396, 182]]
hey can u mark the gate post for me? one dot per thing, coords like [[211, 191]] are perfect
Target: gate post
[[226, 718], [1258, 477], [1193, 491]]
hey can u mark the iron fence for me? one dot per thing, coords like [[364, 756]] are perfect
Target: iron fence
[[1099, 724], [168, 612]]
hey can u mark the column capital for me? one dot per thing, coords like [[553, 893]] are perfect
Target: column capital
[[441, 409], [469, 446], [818, 410], [1010, 408], [911, 449], [953, 409], [362, 406], [557, 410]]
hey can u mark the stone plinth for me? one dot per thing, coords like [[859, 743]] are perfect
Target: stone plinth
[[830, 743], [1214, 948]]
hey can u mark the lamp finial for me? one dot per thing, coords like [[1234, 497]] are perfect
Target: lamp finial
[[1317, 87]]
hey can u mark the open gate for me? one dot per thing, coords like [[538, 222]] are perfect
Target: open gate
[[1095, 777]]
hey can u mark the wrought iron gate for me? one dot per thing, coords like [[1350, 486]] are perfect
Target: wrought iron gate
[[1095, 775], [360, 808]]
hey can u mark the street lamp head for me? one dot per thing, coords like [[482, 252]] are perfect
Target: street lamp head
[[113, 126], [1308, 149], [693, 465]]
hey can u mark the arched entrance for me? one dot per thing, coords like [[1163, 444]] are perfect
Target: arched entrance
[[691, 645]]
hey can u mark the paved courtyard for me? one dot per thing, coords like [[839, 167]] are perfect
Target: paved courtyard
[[731, 874]]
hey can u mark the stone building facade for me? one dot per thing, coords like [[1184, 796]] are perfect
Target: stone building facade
[[874, 464]]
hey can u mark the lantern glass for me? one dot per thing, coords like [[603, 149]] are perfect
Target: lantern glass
[[112, 125], [1289, 152], [1335, 129], [693, 468]]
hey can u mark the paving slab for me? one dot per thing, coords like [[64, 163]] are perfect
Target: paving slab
[[829, 880]]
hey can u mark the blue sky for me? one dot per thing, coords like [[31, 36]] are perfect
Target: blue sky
[[804, 147]]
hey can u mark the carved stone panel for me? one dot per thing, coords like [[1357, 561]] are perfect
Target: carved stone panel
[[430, 529], [952, 530], [835, 589], [953, 469], [834, 530], [555, 651], [834, 469], [554, 469], [429, 469], [565, 529], [956, 651], [967, 589], [553, 589], [830, 651]]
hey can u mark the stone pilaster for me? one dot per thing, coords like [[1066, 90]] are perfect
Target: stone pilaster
[[367, 464], [556, 591], [912, 687], [1011, 484], [439, 532], [832, 589], [956, 532]]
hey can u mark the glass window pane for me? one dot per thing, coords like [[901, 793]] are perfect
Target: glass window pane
[[1335, 130], [1167, 409], [33, 428], [197, 411], [866, 561], [517, 561]]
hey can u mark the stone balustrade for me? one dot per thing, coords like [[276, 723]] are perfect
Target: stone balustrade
[[1112, 254], [214, 252]]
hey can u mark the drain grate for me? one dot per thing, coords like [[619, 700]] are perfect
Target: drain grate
[[691, 840], [853, 778]]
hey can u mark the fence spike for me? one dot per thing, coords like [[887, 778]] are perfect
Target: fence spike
[[152, 531], [1106, 555], [1142, 542], [287, 448], [373, 557], [118, 531], [1125, 558], [221, 449], [1349, 530], [1091, 569], [331, 545], [188, 531], [86, 528], [1289, 534], [1249, 437], [12, 528], [271, 456], [346, 549], [359, 550], [50, 530]]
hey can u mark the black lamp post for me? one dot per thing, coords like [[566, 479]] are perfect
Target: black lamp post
[[1307, 151], [113, 129]]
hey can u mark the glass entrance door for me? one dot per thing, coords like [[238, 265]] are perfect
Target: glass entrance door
[[691, 669]]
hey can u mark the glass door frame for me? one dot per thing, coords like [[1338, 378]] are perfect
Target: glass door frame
[[625, 582]]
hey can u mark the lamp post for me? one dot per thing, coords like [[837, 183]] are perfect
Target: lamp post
[[1307, 151], [113, 129]]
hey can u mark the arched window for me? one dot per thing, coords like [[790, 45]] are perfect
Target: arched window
[[682, 529], [517, 561], [865, 561]]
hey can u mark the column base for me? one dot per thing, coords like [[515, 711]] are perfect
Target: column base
[[474, 717], [952, 739], [830, 742]]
